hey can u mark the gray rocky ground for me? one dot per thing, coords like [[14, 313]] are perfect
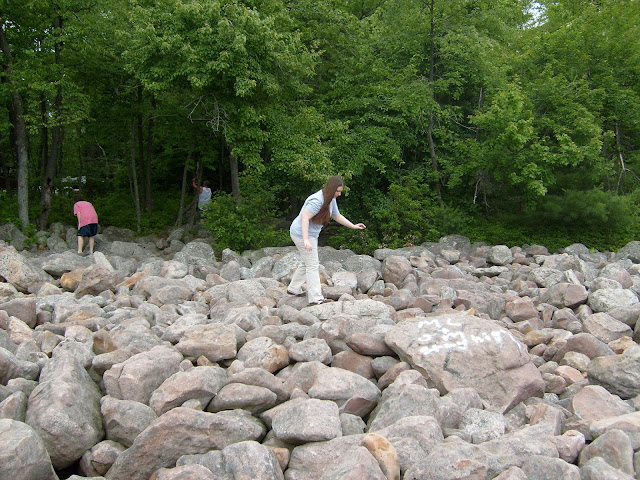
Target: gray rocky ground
[[153, 359]]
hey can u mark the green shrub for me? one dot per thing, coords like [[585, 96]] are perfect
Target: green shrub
[[31, 239], [114, 209], [409, 213], [118, 209], [590, 210], [406, 215], [534, 228], [363, 242], [62, 210], [9, 208], [249, 225], [448, 220]]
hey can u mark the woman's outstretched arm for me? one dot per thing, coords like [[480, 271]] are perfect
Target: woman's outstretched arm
[[347, 223]]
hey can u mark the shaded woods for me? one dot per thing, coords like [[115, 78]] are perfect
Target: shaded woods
[[508, 121]]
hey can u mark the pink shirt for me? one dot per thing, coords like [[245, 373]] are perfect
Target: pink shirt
[[85, 212]]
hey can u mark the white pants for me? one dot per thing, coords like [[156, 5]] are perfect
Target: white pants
[[308, 272]]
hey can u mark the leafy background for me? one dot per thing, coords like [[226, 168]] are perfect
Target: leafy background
[[508, 121]]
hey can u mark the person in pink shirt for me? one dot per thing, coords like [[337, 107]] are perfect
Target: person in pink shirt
[[87, 223]]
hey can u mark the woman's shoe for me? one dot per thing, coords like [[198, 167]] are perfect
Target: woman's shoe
[[295, 294], [320, 302]]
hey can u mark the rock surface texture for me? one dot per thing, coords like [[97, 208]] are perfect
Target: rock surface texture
[[153, 359]]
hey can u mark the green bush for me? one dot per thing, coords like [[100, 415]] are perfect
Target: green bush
[[30, 232], [363, 242], [406, 215], [449, 220], [9, 208], [62, 209], [589, 210], [118, 209], [249, 225], [563, 221]]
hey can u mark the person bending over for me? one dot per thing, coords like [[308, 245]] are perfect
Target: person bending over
[[87, 223], [316, 212]]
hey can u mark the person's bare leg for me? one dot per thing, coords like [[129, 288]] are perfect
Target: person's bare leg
[[80, 243], [91, 244]]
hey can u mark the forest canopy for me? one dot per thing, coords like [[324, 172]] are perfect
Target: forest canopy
[[508, 121]]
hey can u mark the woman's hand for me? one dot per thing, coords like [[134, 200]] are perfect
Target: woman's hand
[[359, 226], [307, 245]]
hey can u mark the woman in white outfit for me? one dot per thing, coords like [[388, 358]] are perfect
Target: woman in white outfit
[[316, 212]]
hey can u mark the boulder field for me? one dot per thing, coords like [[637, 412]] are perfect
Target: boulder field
[[158, 360]]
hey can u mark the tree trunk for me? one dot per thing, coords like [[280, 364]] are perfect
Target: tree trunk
[[432, 149], [46, 192], [23, 160], [134, 174], [50, 167], [183, 194], [20, 135], [51, 160], [149, 158], [141, 147], [221, 167], [235, 180], [4, 171], [434, 157], [44, 132], [190, 209]]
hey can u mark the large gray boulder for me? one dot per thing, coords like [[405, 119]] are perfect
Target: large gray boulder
[[311, 420], [23, 308], [19, 271], [214, 341], [407, 396], [607, 299], [619, 374], [124, 420], [309, 461], [181, 431], [13, 367], [630, 251], [250, 459], [460, 350], [23, 454], [455, 459], [197, 253], [67, 428], [199, 383], [138, 377]]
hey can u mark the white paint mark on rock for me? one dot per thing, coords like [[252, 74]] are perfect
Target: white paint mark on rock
[[447, 339]]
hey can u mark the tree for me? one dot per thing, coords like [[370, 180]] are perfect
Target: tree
[[581, 72], [230, 60], [425, 107], [19, 126], [51, 153], [408, 77], [52, 50]]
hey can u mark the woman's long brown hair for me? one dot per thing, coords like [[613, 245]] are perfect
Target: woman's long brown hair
[[329, 190]]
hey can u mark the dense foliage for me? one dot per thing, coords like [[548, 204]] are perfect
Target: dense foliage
[[509, 121]]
